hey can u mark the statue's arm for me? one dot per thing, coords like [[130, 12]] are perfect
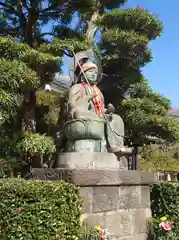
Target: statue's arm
[[74, 94], [75, 97]]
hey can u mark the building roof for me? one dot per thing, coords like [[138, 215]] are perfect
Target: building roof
[[174, 112]]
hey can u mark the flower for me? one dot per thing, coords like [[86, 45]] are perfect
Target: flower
[[98, 228], [163, 219], [102, 238], [102, 233], [166, 226]]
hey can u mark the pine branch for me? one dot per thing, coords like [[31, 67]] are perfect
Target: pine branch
[[17, 10], [8, 6], [11, 49], [55, 9], [10, 31], [64, 6]]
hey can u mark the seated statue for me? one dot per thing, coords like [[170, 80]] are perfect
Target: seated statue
[[90, 126]]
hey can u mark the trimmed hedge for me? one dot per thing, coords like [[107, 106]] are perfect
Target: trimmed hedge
[[165, 211], [39, 210]]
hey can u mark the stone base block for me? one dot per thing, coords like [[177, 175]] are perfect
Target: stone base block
[[96, 160], [118, 201], [113, 199]]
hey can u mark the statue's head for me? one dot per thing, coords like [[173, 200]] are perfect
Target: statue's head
[[81, 59], [91, 72]]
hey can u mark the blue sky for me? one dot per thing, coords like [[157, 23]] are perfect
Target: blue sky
[[163, 71]]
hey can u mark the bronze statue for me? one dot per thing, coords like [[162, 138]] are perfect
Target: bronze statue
[[90, 127], [90, 134]]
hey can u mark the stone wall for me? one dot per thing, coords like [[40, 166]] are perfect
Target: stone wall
[[116, 200]]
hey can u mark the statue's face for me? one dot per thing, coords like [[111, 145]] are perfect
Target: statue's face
[[92, 75]]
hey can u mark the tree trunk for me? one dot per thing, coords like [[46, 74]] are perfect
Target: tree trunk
[[92, 28], [28, 118], [28, 125]]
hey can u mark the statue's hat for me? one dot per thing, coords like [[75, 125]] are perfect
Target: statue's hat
[[88, 65]]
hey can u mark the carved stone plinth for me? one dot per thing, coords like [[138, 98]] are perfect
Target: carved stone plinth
[[86, 146]]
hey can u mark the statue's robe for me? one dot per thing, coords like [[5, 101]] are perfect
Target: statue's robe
[[82, 106]]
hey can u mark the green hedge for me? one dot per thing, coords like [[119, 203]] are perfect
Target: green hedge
[[165, 211], [39, 210]]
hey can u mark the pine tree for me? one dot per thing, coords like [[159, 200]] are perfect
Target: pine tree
[[90, 12], [29, 56], [125, 35], [123, 47]]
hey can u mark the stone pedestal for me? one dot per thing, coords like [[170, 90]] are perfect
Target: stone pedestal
[[95, 160], [114, 199]]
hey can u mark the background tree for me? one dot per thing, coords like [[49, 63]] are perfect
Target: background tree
[[156, 158], [90, 12], [125, 35], [29, 56]]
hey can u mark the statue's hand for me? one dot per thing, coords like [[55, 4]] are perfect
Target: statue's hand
[[81, 102], [92, 95], [110, 108]]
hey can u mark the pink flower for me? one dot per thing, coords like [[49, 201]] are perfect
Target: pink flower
[[166, 226]]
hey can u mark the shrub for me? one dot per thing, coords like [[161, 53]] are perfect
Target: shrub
[[87, 232], [39, 210], [165, 211]]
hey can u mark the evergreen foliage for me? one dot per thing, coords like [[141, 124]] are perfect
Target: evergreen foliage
[[159, 158], [165, 207], [124, 45], [29, 57], [39, 210]]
